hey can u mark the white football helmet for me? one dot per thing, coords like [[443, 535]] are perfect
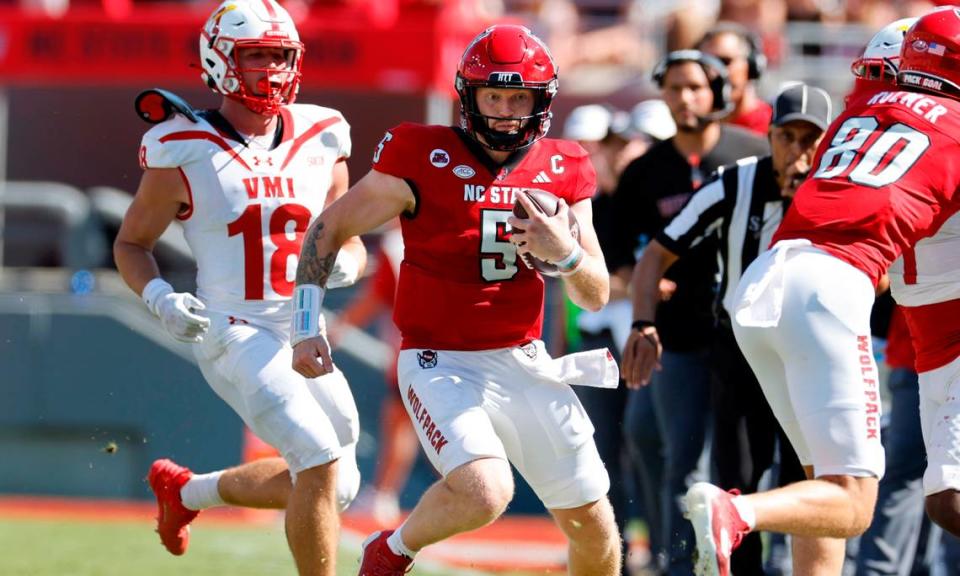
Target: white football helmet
[[881, 56], [241, 24]]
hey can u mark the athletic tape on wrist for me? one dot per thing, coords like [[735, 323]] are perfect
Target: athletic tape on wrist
[[571, 264], [307, 302], [153, 292], [571, 259]]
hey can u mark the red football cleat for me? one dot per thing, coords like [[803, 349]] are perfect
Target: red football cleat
[[379, 560], [718, 526], [173, 519]]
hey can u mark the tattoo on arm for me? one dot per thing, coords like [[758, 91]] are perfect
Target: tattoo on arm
[[314, 268]]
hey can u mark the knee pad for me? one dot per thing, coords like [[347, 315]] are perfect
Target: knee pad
[[348, 477], [576, 491]]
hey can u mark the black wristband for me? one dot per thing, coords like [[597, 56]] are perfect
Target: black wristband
[[641, 324]]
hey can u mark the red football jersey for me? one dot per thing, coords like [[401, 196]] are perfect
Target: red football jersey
[[461, 285], [885, 175]]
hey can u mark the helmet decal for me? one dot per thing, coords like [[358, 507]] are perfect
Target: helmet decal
[[930, 54], [881, 56]]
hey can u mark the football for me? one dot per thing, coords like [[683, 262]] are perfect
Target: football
[[548, 204]]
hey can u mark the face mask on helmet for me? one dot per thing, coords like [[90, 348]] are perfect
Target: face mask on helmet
[[254, 40], [930, 55], [881, 56], [506, 56]]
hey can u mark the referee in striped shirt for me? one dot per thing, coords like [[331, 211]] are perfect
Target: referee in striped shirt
[[743, 205]]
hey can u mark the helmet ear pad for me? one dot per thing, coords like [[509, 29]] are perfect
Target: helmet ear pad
[[714, 69]]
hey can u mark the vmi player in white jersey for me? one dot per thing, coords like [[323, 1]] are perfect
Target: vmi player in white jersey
[[925, 281], [247, 180]]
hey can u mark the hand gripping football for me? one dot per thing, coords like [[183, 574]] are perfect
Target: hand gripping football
[[548, 204]]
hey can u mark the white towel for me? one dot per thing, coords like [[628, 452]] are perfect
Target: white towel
[[760, 302], [595, 368]]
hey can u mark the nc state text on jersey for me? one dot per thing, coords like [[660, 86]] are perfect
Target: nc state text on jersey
[[495, 194], [917, 103]]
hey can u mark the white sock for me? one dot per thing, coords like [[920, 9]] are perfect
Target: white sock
[[746, 511], [201, 491], [396, 545]]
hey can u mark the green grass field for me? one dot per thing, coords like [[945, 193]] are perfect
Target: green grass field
[[75, 548], [80, 548]]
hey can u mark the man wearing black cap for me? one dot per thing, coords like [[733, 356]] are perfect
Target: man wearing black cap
[[741, 208], [651, 191]]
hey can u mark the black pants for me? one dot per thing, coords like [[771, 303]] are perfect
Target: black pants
[[745, 440]]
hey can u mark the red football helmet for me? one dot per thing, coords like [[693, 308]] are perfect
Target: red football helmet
[[930, 55], [507, 56]]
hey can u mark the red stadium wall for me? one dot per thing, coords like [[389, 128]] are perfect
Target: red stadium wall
[[71, 81]]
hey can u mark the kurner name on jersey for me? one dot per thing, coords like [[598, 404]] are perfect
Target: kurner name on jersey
[[915, 102]]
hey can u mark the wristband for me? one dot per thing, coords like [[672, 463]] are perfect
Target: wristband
[[154, 291], [307, 302], [572, 260], [641, 324]]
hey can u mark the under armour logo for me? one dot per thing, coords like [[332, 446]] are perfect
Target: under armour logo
[[257, 160]]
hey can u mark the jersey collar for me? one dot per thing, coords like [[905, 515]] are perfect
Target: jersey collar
[[480, 153]]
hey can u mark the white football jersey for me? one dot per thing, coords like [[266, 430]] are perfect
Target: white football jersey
[[930, 272], [249, 206]]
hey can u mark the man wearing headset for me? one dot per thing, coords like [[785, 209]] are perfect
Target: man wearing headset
[[651, 191], [742, 53]]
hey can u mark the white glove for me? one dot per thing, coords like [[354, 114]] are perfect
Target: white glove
[[346, 270], [176, 311]]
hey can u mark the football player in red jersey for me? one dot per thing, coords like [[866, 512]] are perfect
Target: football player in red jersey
[[475, 378], [802, 312], [245, 180], [925, 281]]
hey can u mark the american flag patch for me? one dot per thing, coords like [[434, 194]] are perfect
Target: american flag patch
[[936, 49]]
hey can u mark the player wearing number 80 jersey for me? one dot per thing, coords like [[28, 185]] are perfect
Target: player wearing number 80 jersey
[[883, 178], [247, 180]]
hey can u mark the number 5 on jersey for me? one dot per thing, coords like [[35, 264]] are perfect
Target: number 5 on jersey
[[498, 256]]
